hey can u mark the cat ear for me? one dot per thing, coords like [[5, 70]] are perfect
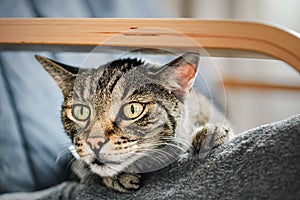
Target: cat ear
[[181, 73], [64, 75]]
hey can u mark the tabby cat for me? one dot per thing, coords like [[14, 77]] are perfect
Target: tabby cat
[[127, 110]]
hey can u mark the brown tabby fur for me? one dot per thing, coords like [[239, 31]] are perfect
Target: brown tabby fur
[[173, 115]]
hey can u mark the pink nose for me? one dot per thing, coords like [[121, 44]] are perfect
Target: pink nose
[[95, 143]]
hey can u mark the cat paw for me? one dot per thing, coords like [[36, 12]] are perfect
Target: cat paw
[[211, 136], [124, 182]]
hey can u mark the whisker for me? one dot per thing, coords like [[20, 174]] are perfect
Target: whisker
[[176, 146], [61, 155], [163, 153], [152, 157], [158, 151]]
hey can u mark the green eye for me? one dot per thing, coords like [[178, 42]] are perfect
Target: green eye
[[81, 112], [133, 110]]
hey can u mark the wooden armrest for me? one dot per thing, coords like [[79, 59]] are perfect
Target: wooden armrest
[[219, 38]]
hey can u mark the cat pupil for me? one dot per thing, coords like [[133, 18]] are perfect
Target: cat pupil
[[81, 110], [132, 109]]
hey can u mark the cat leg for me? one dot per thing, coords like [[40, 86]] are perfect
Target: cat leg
[[124, 182], [210, 136]]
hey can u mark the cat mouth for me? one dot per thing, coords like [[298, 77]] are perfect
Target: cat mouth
[[101, 162], [97, 162]]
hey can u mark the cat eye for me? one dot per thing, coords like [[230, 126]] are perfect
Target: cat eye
[[133, 110], [81, 112]]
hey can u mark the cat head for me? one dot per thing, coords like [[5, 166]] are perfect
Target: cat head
[[124, 110]]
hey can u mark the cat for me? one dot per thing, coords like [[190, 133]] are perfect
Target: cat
[[127, 110]]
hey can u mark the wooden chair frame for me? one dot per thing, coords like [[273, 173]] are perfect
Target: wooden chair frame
[[219, 38]]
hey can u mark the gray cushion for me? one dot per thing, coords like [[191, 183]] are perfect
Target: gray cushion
[[262, 163]]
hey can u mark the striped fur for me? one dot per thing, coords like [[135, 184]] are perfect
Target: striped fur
[[163, 130]]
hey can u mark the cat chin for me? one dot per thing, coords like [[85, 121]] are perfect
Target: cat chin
[[106, 169], [111, 168]]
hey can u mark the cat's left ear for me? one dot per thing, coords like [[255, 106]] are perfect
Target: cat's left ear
[[181, 73], [64, 75]]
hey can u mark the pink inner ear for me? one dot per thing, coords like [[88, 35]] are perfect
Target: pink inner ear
[[185, 76]]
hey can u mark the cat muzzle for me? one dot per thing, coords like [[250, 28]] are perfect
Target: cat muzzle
[[96, 143]]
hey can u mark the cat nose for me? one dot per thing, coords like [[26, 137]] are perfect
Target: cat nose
[[96, 143]]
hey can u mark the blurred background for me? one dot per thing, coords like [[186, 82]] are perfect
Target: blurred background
[[30, 100], [249, 107]]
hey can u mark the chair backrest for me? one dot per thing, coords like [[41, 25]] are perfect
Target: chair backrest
[[219, 38]]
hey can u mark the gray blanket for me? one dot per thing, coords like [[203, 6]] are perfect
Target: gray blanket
[[262, 163]]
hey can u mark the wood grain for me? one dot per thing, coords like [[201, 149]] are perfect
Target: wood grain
[[231, 83], [219, 38]]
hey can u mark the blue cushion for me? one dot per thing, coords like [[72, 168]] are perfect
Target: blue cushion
[[32, 135]]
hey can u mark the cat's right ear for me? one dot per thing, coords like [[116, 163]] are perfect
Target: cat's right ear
[[64, 75], [180, 74]]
